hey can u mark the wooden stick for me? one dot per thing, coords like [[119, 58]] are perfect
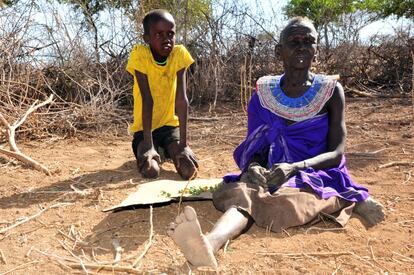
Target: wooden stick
[[324, 229], [360, 93], [149, 243], [180, 201], [19, 267], [319, 254], [203, 118], [118, 250], [113, 268], [404, 257], [3, 258], [11, 131], [26, 219], [396, 163], [25, 159]]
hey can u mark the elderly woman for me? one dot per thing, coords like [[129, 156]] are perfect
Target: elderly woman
[[292, 160]]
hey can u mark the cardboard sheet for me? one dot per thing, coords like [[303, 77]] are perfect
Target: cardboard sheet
[[161, 191]]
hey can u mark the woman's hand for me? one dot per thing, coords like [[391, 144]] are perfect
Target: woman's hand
[[280, 173], [257, 174]]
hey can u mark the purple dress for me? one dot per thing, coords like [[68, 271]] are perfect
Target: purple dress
[[270, 137]]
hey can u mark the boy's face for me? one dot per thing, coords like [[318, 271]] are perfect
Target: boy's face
[[299, 46], [161, 38]]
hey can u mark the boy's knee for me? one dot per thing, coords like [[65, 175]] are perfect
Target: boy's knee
[[150, 170]]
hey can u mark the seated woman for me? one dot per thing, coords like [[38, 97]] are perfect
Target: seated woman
[[292, 160]]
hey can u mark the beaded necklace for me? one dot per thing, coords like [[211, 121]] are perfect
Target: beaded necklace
[[163, 63], [300, 108]]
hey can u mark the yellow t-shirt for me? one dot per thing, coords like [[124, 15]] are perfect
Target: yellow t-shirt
[[162, 82]]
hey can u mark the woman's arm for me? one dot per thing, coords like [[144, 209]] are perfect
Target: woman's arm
[[336, 134]]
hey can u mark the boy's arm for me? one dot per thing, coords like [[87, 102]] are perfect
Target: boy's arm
[[181, 109], [181, 106], [147, 105]]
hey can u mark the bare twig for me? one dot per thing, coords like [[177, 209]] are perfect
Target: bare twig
[[180, 201], [26, 219], [203, 118], [118, 250], [318, 254], [3, 258], [11, 131], [19, 267], [324, 229], [149, 242], [112, 268], [396, 163]]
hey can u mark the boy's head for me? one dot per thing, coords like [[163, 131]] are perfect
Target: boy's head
[[298, 43], [159, 33]]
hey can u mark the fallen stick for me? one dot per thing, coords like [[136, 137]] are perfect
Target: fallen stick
[[25, 159], [19, 267], [118, 250], [149, 243], [26, 219], [3, 258], [11, 131], [320, 254], [396, 163], [360, 93], [203, 118], [324, 229], [404, 257], [113, 268]]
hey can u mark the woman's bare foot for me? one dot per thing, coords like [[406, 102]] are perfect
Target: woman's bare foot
[[371, 210], [186, 233]]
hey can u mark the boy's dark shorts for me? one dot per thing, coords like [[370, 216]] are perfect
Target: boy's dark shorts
[[161, 137]]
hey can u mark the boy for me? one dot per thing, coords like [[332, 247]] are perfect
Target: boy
[[160, 100]]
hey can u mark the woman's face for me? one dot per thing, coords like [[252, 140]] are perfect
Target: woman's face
[[299, 46]]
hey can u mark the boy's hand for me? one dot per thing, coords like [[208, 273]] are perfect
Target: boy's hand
[[186, 153], [280, 173], [147, 153]]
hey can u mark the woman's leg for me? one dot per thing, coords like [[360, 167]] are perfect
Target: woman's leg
[[199, 249], [229, 226]]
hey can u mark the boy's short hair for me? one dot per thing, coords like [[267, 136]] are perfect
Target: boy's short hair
[[154, 16], [295, 21]]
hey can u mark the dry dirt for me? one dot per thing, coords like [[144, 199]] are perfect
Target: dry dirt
[[97, 171]]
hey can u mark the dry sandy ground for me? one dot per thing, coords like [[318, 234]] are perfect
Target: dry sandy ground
[[94, 173]]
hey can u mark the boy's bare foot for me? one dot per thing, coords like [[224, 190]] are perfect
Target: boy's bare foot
[[371, 210], [186, 233]]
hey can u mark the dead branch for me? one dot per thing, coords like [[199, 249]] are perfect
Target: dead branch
[[11, 131], [113, 268], [149, 243], [396, 163], [318, 254], [118, 250], [359, 93], [203, 119], [19, 267], [4, 230], [3, 258]]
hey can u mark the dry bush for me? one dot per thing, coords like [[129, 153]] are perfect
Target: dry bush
[[232, 49]]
